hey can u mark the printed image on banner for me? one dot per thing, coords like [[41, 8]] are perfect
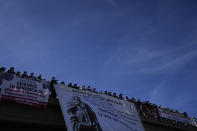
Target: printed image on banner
[[25, 91], [175, 116], [86, 110]]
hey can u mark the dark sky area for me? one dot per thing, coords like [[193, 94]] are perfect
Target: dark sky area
[[145, 49]]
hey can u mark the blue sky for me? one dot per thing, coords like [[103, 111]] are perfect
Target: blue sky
[[145, 49]]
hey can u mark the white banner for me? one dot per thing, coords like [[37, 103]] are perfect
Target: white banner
[[86, 110], [1, 80], [194, 121], [175, 116], [25, 91]]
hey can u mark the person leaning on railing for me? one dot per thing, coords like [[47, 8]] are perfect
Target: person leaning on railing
[[18, 74], [89, 88], [11, 70], [83, 87], [40, 77], [52, 89], [127, 98], [32, 76], [63, 83], [70, 84], [120, 96], [2, 69], [114, 95], [94, 90], [139, 107], [76, 86], [24, 75]]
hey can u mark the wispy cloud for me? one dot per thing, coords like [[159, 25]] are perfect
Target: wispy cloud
[[140, 60], [171, 64]]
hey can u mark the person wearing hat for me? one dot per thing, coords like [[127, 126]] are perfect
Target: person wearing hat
[[105, 92], [24, 75], [53, 80], [2, 69], [120, 96], [11, 70], [94, 90], [114, 95], [70, 84], [89, 88], [31, 75], [40, 77], [75, 86], [62, 83]]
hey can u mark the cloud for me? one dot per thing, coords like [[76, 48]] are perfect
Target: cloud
[[164, 94], [171, 64], [130, 60]]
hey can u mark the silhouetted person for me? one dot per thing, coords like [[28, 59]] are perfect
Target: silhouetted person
[[75, 86], [83, 87], [185, 113], [31, 75], [24, 75], [18, 73], [94, 90], [11, 70], [120, 96], [114, 95], [89, 88], [127, 98], [2, 69], [139, 106], [70, 84], [53, 81], [62, 83], [40, 77]]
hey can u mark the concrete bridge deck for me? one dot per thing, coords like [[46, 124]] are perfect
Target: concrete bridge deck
[[18, 116]]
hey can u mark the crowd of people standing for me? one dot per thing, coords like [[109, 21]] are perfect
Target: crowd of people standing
[[145, 109]]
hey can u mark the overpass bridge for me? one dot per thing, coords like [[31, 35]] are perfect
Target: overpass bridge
[[18, 116]]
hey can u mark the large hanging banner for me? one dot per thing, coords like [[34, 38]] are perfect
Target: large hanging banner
[[23, 90], [175, 116], [1, 79], [86, 110]]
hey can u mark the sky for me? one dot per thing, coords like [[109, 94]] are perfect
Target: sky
[[144, 49]]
